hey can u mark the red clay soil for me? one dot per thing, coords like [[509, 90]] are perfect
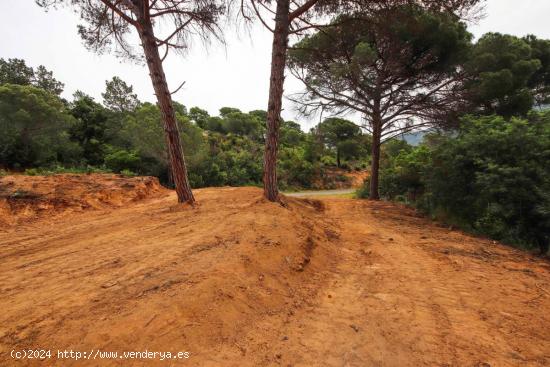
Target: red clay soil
[[357, 178], [27, 198], [339, 178], [238, 281]]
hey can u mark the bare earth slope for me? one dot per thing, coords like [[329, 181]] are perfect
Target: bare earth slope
[[28, 198], [238, 281]]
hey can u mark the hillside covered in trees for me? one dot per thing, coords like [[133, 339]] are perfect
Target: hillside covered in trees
[[44, 133]]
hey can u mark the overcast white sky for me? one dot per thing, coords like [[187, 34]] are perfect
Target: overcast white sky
[[235, 76]]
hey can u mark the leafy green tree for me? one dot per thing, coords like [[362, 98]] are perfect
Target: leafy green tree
[[540, 80], [44, 79], [354, 148], [260, 114], [295, 18], [214, 123], [295, 170], [401, 177], [119, 160], [240, 123], [199, 116], [144, 131], [400, 75], [89, 129], [504, 69], [224, 111], [495, 178], [291, 134], [119, 96], [34, 128], [335, 132], [232, 160], [15, 71], [180, 109]]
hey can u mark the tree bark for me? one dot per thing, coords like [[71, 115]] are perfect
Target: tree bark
[[375, 165], [164, 99], [278, 63]]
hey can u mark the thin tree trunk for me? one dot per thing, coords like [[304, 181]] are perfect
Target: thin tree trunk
[[375, 166], [338, 157], [278, 63], [164, 98]]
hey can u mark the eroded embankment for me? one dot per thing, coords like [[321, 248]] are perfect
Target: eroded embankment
[[28, 198]]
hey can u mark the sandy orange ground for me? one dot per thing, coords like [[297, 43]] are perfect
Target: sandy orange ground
[[238, 281]]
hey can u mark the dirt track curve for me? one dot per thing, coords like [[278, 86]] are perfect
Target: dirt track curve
[[239, 281]]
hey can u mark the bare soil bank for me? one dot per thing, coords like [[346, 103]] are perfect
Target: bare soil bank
[[238, 281]]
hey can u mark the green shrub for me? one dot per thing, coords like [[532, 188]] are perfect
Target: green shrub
[[328, 160], [120, 160], [127, 173], [364, 191], [32, 172], [47, 171]]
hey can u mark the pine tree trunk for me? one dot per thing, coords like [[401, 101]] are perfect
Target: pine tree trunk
[[164, 99], [375, 166], [278, 63], [337, 157]]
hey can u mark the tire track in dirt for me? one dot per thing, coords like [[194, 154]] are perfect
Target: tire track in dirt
[[397, 298]]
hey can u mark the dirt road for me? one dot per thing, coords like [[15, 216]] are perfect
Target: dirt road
[[407, 293], [239, 281]]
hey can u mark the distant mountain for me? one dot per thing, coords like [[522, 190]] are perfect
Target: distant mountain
[[413, 138]]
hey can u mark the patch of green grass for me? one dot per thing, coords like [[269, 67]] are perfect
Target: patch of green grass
[[127, 173], [48, 171]]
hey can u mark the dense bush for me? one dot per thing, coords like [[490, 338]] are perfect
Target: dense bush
[[121, 160], [492, 177]]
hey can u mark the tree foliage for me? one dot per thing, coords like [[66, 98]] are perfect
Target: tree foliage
[[35, 128], [42, 132], [89, 127], [505, 72], [107, 25], [341, 136], [119, 96], [540, 80], [16, 71], [395, 71]]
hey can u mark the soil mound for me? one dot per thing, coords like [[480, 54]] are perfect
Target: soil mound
[[27, 198], [162, 276]]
